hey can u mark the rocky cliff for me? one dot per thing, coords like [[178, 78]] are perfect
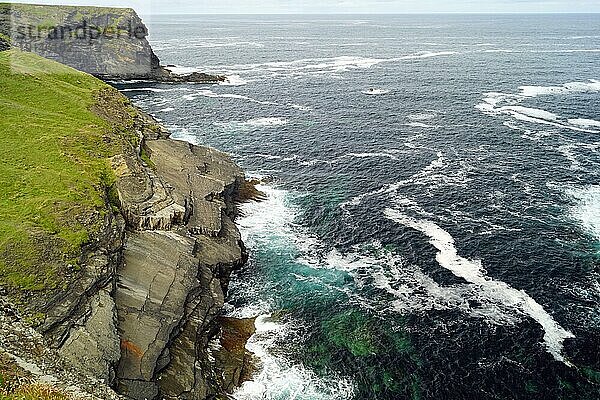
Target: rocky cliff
[[110, 43], [125, 290]]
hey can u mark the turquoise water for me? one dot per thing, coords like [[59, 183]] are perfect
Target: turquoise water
[[432, 221]]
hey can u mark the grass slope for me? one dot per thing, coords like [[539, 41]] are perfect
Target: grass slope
[[53, 15], [54, 167]]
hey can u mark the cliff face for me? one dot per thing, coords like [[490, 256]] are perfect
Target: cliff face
[[110, 43], [138, 311], [179, 254]]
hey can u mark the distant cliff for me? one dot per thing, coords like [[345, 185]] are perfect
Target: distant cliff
[[116, 244], [109, 43]]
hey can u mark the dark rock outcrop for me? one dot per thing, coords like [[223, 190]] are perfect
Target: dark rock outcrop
[[4, 44], [109, 43], [145, 303], [178, 257], [139, 310]]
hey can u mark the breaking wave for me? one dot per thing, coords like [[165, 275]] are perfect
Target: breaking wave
[[495, 103], [472, 271]]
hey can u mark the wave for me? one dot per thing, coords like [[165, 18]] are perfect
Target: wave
[[299, 107], [421, 116], [280, 378], [181, 70], [234, 80], [263, 122], [437, 173], [155, 90], [385, 153], [211, 94], [314, 66], [426, 54], [567, 51], [495, 103], [472, 271], [340, 63], [375, 91], [419, 125], [587, 210], [270, 224], [168, 109]]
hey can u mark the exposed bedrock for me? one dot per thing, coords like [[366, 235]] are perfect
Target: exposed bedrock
[[144, 315], [109, 43], [178, 258]]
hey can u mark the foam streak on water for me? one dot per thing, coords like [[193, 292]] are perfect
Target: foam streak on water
[[510, 104], [271, 223], [587, 210], [472, 271]]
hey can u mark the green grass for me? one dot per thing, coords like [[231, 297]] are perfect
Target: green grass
[[54, 169], [56, 14]]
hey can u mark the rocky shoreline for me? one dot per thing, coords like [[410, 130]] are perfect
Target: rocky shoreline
[[108, 43], [142, 315], [138, 314]]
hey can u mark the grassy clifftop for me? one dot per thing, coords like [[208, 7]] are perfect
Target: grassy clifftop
[[55, 15], [57, 135]]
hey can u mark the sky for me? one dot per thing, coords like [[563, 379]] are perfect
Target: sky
[[148, 7]]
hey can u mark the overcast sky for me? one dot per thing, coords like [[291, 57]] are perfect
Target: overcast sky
[[339, 6]]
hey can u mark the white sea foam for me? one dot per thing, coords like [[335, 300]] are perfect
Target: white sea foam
[[371, 154], [592, 86], [211, 94], [495, 103], [267, 219], [316, 66], [156, 90], [586, 123], [264, 122], [567, 51], [271, 223], [499, 51], [168, 109], [587, 211], [374, 92], [472, 271], [280, 378], [234, 80]]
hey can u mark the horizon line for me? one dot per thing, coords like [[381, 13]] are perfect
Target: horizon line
[[394, 13]]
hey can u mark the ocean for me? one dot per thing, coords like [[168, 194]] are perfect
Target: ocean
[[431, 227]]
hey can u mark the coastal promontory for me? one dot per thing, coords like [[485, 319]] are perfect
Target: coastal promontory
[[116, 245], [109, 43]]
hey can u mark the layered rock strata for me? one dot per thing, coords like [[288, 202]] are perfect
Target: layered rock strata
[[178, 257], [141, 312], [109, 43]]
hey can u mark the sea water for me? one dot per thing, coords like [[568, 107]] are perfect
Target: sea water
[[431, 224]]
